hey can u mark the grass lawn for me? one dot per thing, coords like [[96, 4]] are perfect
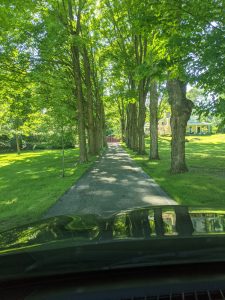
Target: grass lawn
[[204, 184], [31, 182]]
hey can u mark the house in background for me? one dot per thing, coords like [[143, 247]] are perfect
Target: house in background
[[194, 126], [164, 125]]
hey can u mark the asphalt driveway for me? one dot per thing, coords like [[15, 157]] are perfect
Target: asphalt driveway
[[113, 184]]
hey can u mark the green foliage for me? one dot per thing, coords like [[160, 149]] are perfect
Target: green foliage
[[127, 42], [184, 39], [209, 106]]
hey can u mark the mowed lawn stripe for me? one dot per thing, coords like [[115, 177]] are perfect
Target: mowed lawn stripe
[[204, 184], [31, 183]]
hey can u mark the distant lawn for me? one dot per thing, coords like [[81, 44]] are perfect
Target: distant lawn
[[204, 184], [31, 183]]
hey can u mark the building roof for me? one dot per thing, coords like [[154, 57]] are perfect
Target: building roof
[[192, 121], [196, 122]]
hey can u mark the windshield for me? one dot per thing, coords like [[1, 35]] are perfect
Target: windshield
[[112, 128], [145, 223]]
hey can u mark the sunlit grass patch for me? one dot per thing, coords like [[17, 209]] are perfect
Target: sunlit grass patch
[[204, 184], [30, 183]]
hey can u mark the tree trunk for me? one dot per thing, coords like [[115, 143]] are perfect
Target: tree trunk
[[100, 118], [80, 108], [105, 145], [63, 152], [122, 125], [140, 47], [90, 107], [133, 128], [141, 119], [128, 126], [181, 109], [122, 119], [153, 108], [75, 53], [100, 126], [17, 144], [76, 136]]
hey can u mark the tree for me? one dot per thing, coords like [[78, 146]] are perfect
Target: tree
[[81, 60], [74, 26], [181, 109], [181, 25], [153, 108], [58, 46]]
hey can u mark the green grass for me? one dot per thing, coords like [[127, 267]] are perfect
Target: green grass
[[31, 183], [204, 184]]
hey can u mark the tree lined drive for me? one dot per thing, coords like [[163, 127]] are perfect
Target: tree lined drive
[[78, 68]]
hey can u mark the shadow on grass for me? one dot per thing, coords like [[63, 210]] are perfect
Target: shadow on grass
[[30, 185], [203, 184]]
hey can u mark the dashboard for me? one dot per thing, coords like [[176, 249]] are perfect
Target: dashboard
[[173, 282]]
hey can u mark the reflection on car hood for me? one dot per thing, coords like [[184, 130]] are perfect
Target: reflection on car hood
[[150, 236], [151, 222]]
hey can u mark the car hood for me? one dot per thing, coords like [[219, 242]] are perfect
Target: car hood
[[149, 235]]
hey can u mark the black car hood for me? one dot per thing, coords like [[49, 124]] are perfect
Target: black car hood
[[143, 236]]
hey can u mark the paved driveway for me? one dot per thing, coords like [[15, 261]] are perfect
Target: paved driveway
[[114, 183]]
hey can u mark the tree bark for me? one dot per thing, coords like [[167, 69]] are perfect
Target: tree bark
[[90, 107], [122, 118], [17, 144], [141, 118], [153, 108], [133, 128], [63, 151], [75, 54], [181, 109], [103, 126], [100, 125], [122, 125], [128, 126], [100, 116], [131, 117], [140, 47]]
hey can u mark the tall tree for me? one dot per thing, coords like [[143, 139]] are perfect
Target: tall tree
[[74, 14], [181, 109], [153, 108]]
